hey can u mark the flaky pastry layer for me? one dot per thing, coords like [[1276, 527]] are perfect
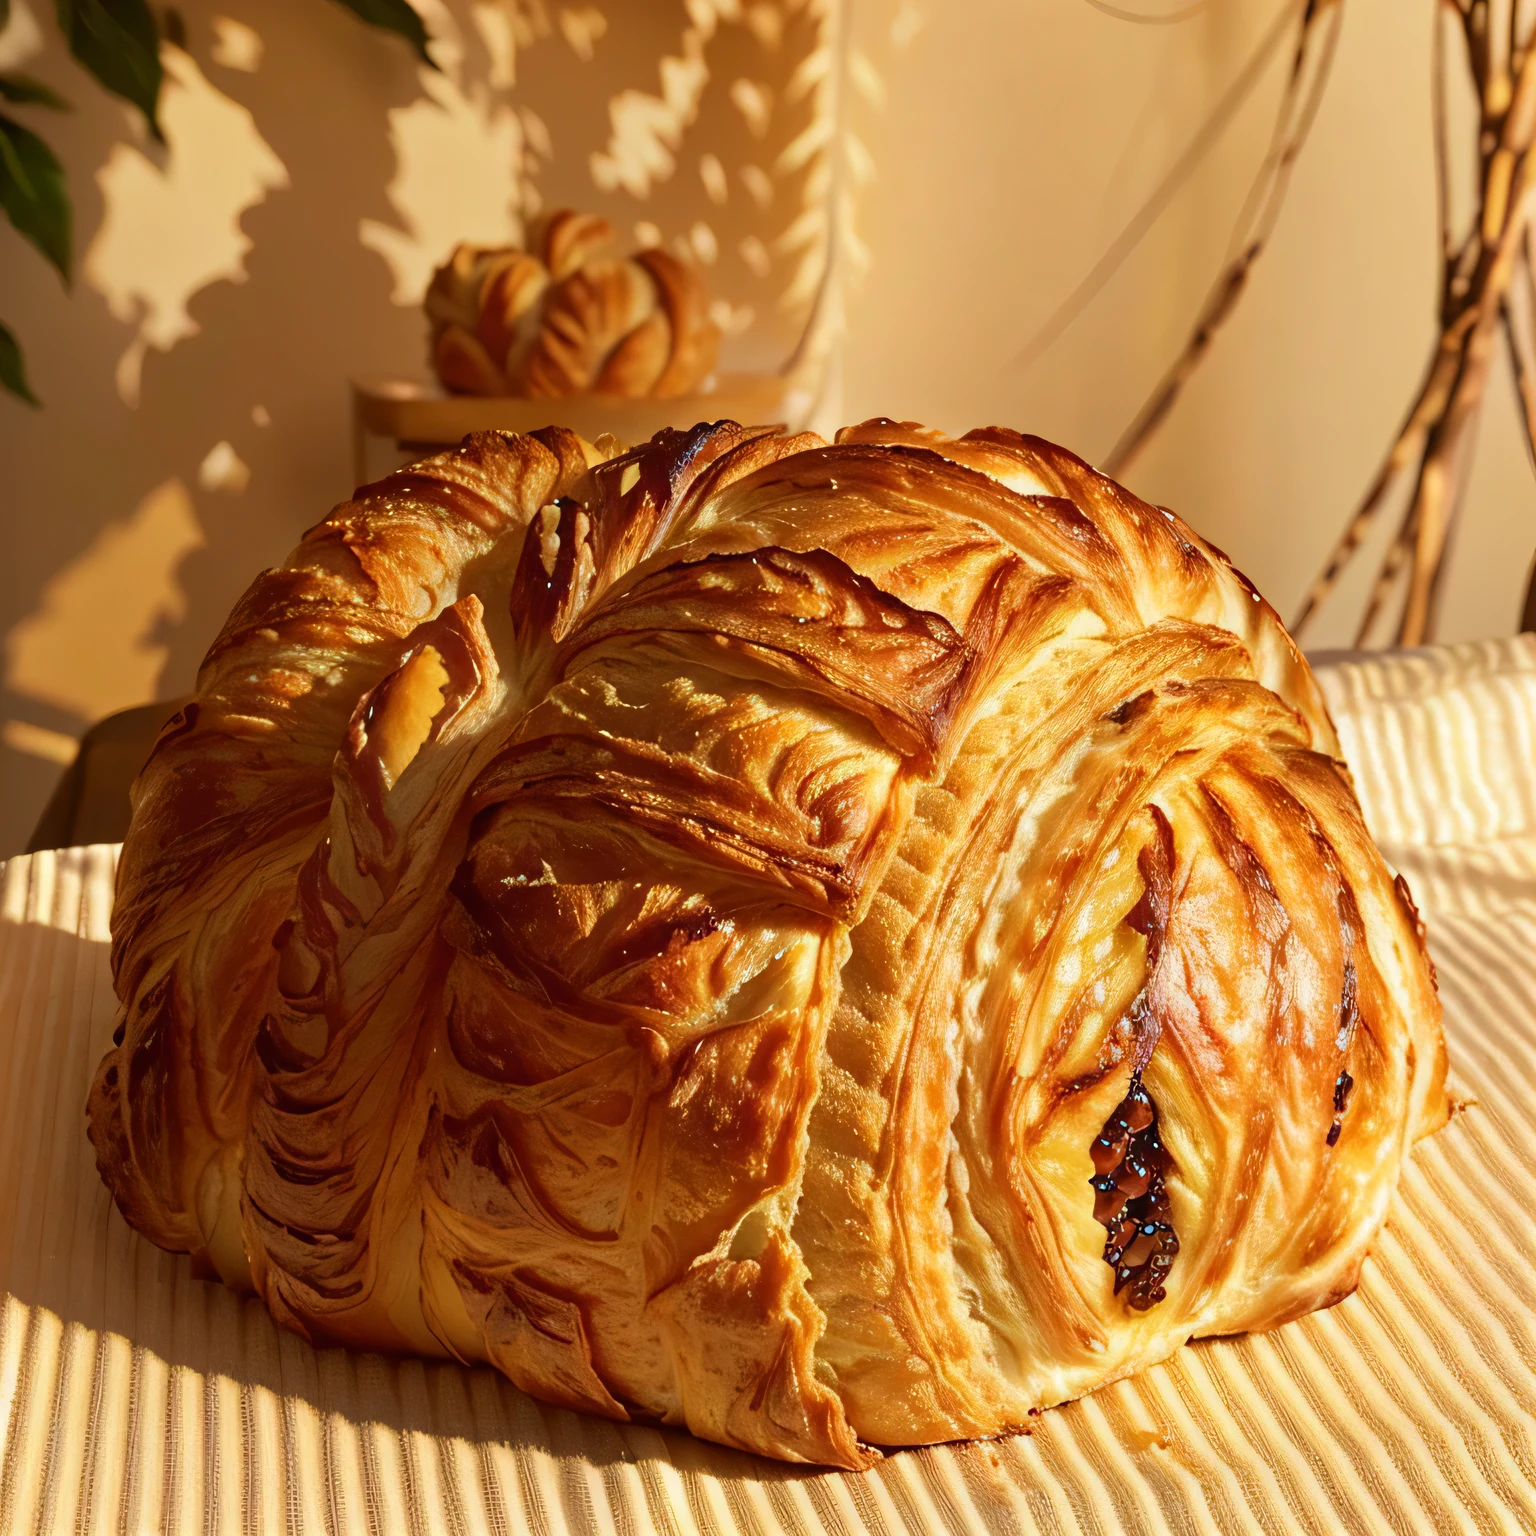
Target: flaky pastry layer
[[831, 945], [568, 316]]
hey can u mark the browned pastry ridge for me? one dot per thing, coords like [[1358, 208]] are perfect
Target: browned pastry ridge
[[831, 945], [569, 317]]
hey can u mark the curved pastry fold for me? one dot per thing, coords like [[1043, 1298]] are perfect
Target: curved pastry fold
[[831, 945], [570, 317]]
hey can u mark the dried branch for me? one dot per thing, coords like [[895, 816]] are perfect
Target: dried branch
[[1142, 19], [1476, 301], [1386, 578], [1441, 136], [1150, 211], [1315, 46], [1408, 445], [1520, 336]]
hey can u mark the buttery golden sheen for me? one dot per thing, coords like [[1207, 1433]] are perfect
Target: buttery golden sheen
[[831, 945], [569, 317]]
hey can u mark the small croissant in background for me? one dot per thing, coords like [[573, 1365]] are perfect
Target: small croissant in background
[[569, 316]]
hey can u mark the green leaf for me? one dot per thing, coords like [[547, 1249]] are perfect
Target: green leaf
[[13, 368], [24, 90], [394, 16], [34, 194], [119, 43]]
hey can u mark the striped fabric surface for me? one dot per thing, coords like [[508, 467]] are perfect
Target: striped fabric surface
[[136, 1398]]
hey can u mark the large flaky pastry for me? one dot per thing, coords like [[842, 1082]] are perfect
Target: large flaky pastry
[[828, 945], [569, 317]]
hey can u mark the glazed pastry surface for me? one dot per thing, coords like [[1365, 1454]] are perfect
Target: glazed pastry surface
[[568, 316], [829, 945]]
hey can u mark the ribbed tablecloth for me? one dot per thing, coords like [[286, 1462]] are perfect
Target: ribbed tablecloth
[[136, 1398]]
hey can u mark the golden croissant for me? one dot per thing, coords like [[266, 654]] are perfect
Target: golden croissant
[[828, 945], [569, 317]]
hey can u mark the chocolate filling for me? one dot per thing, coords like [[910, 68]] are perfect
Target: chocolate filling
[[1131, 1198], [1341, 1086], [1130, 1163]]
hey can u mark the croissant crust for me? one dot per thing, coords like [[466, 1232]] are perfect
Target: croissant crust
[[569, 317], [832, 945]]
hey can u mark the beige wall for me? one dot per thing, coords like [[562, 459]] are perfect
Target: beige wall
[[1022, 137], [229, 289], [272, 255]]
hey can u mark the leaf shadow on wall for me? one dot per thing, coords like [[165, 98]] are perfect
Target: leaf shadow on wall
[[249, 279], [255, 362]]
